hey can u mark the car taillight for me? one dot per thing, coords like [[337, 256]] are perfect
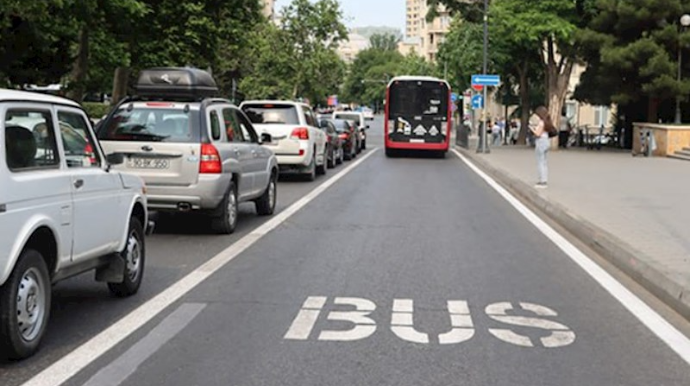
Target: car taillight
[[88, 151], [300, 133], [343, 135], [210, 160]]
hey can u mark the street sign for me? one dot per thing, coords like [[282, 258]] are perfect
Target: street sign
[[477, 102], [477, 87], [453, 97], [486, 80]]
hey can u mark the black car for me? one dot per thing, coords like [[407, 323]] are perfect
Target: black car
[[348, 133], [334, 152]]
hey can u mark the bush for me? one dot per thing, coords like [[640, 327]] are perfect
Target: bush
[[96, 110]]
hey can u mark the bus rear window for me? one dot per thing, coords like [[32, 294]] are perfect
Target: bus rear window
[[272, 114], [419, 98]]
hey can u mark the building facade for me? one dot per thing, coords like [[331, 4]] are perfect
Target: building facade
[[348, 50], [421, 36]]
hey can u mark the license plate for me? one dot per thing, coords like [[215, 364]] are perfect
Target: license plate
[[148, 163], [413, 140]]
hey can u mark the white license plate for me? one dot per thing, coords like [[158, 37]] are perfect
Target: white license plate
[[416, 140], [148, 163]]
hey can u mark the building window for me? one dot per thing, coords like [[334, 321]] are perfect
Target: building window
[[601, 116]]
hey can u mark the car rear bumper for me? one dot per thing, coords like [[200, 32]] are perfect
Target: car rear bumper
[[206, 194]]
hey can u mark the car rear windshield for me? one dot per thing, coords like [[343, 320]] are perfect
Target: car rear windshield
[[349, 117], [341, 125], [151, 124], [272, 114]]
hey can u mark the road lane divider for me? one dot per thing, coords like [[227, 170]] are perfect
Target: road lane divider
[[659, 326], [61, 371]]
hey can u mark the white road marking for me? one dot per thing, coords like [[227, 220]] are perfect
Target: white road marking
[[126, 364], [69, 365], [364, 325], [461, 321], [306, 318], [402, 323], [560, 334], [645, 314]]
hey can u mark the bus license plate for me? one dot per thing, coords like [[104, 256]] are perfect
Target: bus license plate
[[412, 140], [148, 163]]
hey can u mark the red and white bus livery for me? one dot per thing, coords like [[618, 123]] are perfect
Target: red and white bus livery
[[418, 115]]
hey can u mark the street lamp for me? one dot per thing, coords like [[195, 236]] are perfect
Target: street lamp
[[684, 23]]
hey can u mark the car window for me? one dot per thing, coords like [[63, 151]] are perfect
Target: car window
[[80, 147], [350, 117], [144, 123], [233, 130], [267, 114], [247, 128], [30, 140], [214, 121], [309, 115]]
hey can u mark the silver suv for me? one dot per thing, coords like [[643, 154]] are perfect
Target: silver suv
[[63, 211], [195, 152]]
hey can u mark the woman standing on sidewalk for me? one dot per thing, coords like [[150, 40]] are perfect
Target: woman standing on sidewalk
[[541, 129]]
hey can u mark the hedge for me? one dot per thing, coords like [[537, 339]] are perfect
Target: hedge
[[96, 110]]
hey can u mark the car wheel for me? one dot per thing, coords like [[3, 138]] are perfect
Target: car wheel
[[333, 153], [266, 204], [311, 174], [134, 255], [24, 306], [364, 144], [321, 169], [341, 156], [226, 221]]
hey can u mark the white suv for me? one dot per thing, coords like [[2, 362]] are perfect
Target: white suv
[[63, 211], [297, 141]]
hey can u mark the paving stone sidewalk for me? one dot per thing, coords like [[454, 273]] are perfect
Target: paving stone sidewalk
[[635, 211]]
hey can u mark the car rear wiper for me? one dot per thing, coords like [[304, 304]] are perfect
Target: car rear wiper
[[145, 135]]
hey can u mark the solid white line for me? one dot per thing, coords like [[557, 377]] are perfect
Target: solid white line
[[65, 368], [126, 364], [650, 318]]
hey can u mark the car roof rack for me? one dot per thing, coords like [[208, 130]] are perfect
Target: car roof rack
[[176, 83]]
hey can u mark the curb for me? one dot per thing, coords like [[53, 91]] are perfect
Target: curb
[[616, 251]]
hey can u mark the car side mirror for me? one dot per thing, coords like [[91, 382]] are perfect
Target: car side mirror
[[115, 158], [266, 138]]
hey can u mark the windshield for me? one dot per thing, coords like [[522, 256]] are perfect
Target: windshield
[[272, 114], [419, 98], [151, 124], [350, 117]]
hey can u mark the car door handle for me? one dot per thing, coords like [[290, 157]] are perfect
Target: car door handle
[[3, 208], [78, 183]]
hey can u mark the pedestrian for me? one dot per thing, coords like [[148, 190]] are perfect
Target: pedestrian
[[540, 128], [496, 132], [564, 131]]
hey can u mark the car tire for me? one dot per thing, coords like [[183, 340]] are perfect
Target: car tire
[[225, 221], [266, 204], [364, 144], [321, 169], [332, 158], [341, 156], [24, 306], [311, 174], [134, 255]]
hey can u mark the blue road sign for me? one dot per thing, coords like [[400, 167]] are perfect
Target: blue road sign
[[486, 80], [453, 97], [478, 101]]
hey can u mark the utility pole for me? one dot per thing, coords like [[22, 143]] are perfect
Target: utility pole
[[483, 135]]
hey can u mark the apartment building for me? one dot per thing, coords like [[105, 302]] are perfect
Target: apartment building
[[269, 8], [421, 36]]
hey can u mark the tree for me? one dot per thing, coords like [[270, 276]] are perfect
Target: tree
[[384, 42], [632, 51]]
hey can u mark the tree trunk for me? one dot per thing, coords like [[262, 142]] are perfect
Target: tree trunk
[[653, 110], [120, 81], [81, 67], [524, 106], [559, 77]]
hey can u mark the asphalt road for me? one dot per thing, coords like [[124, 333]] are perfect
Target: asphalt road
[[406, 271]]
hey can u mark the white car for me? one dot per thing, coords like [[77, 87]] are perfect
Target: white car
[[358, 119], [63, 211], [368, 113], [298, 143]]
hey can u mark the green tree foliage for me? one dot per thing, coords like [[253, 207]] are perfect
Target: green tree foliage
[[298, 58], [384, 42], [632, 51]]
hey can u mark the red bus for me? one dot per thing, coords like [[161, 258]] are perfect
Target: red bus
[[418, 115]]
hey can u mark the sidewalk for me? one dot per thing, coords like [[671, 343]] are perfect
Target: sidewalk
[[634, 211]]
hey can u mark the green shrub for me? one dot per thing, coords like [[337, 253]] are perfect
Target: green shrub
[[96, 110]]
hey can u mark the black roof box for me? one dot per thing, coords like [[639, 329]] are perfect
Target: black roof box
[[175, 82]]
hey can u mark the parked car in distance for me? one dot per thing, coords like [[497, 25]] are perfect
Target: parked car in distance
[[358, 119], [298, 143], [368, 113], [64, 210], [335, 153], [347, 132], [196, 152]]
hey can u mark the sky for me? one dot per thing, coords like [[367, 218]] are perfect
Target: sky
[[368, 13]]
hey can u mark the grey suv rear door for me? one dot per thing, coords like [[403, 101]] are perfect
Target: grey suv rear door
[[261, 156], [235, 154]]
